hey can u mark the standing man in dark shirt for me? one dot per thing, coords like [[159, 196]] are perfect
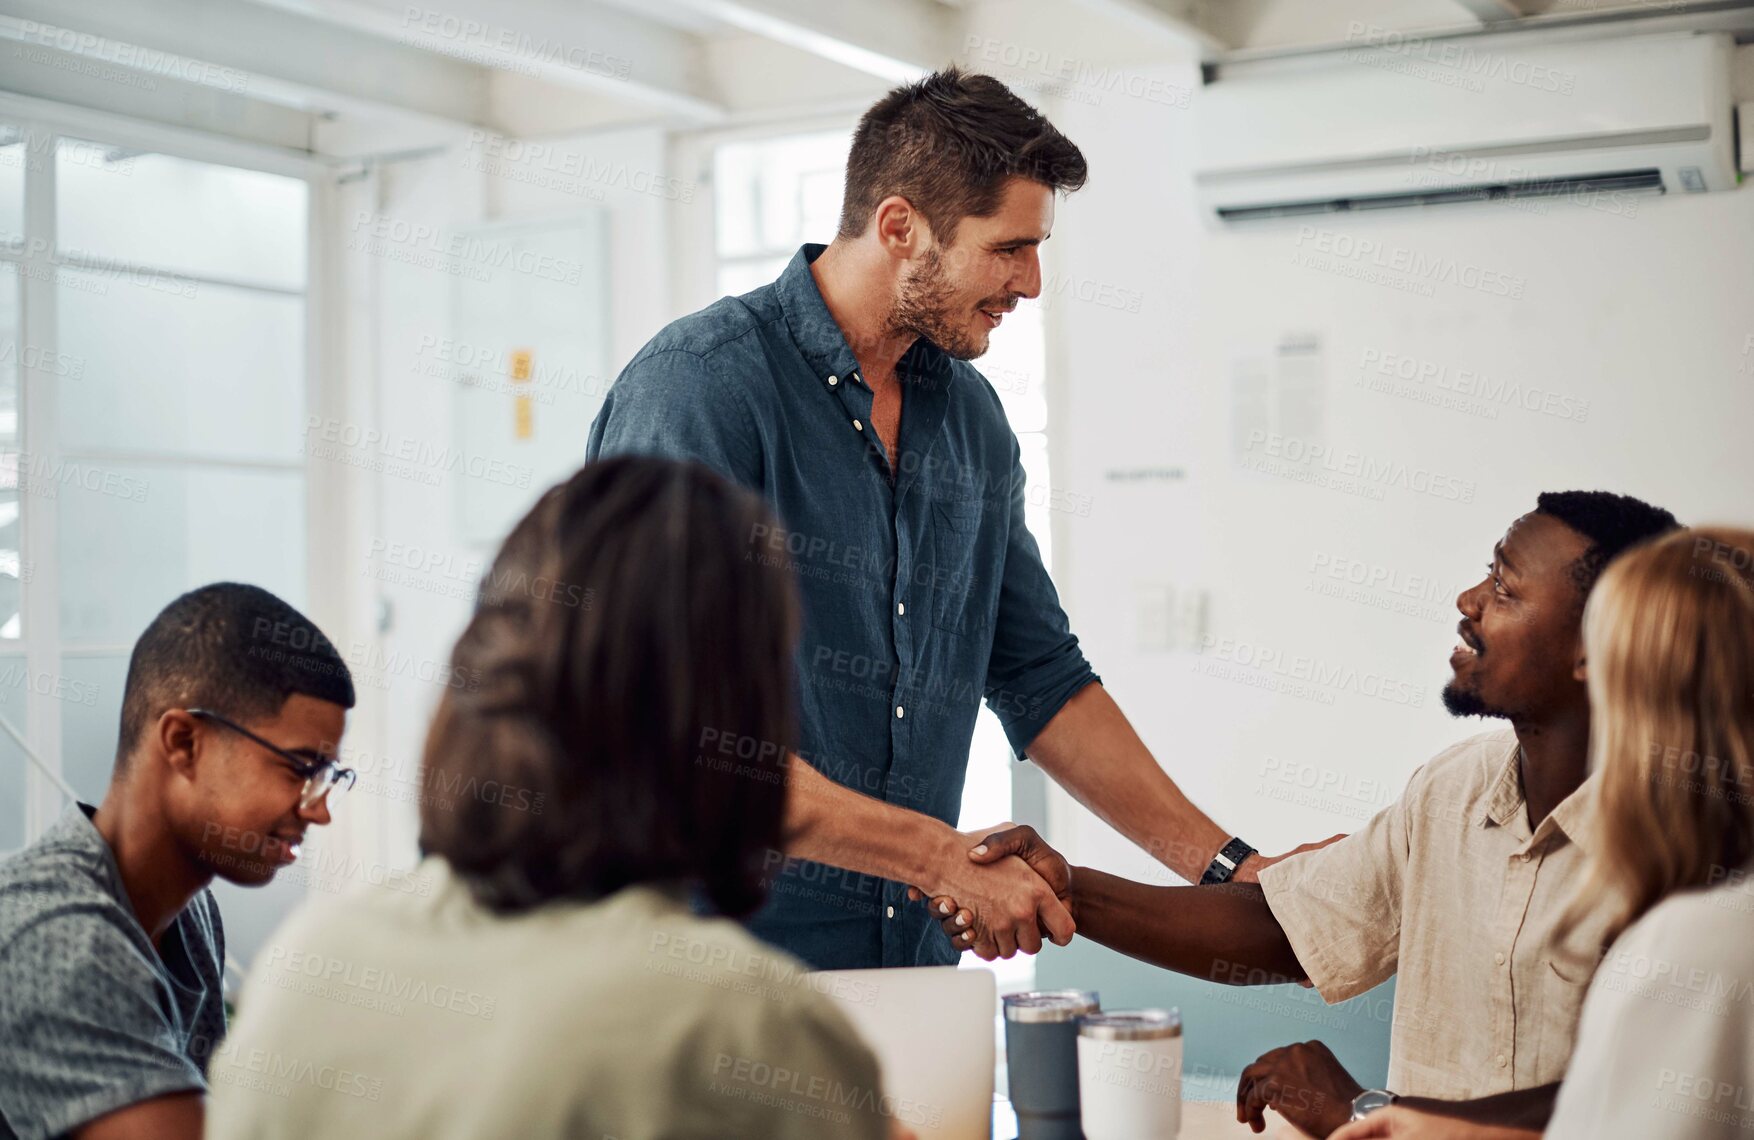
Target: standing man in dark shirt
[[843, 394], [111, 946]]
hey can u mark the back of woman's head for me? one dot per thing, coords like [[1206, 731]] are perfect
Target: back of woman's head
[[1669, 642], [628, 706]]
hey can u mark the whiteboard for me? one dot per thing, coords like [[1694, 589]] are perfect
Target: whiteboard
[[530, 321]]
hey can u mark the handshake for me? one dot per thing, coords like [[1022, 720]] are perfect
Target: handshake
[[1007, 891]]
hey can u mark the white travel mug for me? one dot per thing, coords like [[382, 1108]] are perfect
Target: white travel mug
[[1130, 1074]]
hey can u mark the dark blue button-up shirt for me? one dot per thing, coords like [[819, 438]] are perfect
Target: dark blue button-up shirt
[[923, 591]]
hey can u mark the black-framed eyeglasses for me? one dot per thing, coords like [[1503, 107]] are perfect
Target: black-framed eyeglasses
[[321, 776]]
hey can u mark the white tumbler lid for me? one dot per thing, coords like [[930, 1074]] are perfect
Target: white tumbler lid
[[1131, 1024]]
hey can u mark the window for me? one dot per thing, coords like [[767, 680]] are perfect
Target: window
[[771, 196], [152, 396]]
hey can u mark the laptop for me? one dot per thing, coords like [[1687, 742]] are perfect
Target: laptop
[[932, 1030]]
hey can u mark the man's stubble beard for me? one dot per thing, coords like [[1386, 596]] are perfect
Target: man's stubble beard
[[923, 309]]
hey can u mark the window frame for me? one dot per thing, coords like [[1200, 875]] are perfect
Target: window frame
[[44, 123]]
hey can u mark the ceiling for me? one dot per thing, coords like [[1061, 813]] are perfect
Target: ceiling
[[345, 78]]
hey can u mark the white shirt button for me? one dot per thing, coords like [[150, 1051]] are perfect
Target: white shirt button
[[857, 426], [889, 911], [901, 607], [1498, 959], [1501, 1061], [898, 712], [833, 380]]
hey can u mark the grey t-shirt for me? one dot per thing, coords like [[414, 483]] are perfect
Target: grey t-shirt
[[92, 1017]]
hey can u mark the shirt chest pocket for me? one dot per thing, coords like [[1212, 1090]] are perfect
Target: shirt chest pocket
[[959, 589], [1562, 988]]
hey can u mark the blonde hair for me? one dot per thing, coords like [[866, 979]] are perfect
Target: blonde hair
[[1669, 644]]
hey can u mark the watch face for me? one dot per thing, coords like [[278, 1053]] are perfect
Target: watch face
[[1369, 1101]]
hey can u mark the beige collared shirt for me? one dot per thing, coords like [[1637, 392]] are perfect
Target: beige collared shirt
[[1449, 889]]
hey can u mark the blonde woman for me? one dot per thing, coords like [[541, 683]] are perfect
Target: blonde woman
[[1666, 1041]]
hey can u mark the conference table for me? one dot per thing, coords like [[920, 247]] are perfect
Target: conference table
[[1201, 1120]]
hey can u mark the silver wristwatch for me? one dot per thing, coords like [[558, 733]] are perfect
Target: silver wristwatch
[[1369, 1101]]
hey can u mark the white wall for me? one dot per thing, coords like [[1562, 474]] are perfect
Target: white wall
[[395, 299], [1648, 318], [1644, 317]]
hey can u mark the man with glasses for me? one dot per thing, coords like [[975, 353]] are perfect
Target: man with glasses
[[111, 946]]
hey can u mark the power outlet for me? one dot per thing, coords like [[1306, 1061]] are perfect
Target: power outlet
[[1169, 618]]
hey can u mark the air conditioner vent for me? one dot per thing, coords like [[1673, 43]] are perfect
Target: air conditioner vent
[[1586, 187]]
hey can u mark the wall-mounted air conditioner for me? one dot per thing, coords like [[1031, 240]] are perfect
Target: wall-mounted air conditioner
[[1403, 122]]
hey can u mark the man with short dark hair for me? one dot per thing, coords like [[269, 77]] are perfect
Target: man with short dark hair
[[111, 945], [1458, 889], [842, 394]]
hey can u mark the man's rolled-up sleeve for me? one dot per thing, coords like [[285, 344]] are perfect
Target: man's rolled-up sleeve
[[671, 404], [1036, 665], [1340, 905]]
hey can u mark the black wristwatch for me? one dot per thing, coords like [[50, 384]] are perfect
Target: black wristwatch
[[1227, 861]]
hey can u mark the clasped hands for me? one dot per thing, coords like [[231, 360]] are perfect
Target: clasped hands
[[1009, 892]]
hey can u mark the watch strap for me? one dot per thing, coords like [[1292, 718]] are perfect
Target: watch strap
[[1224, 865]]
